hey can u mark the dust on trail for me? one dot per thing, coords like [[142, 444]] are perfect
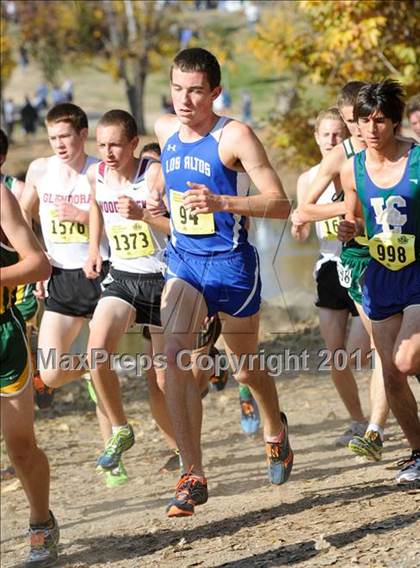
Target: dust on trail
[[334, 511]]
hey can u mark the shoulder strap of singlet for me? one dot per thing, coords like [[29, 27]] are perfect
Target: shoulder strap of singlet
[[8, 181], [101, 171], [348, 148], [217, 129], [144, 164]]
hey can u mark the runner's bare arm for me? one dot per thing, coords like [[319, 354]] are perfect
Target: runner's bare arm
[[68, 212], [329, 170], [33, 264], [18, 188], [93, 264], [300, 231], [129, 209], [165, 126], [353, 224], [240, 149]]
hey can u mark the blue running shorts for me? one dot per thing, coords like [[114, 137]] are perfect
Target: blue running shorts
[[387, 292], [230, 282]]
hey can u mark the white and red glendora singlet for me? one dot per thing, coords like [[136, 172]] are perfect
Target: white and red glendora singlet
[[326, 231], [135, 246], [67, 242]]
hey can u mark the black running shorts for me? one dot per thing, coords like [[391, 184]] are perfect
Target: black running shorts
[[72, 294], [142, 291], [330, 292]]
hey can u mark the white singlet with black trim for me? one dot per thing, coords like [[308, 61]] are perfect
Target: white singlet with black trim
[[330, 248], [135, 246], [67, 242]]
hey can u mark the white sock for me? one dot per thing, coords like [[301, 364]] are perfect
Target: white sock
[[116, 429], [376, 428]]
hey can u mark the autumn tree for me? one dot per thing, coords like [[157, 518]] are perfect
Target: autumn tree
[[319, 46], [6, 56], [139, 38], [126, 38]]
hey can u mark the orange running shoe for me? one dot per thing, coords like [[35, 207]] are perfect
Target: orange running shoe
[[43, 395], [217, 382], [191, 490]]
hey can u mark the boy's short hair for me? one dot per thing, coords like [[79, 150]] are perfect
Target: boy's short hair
[[152, 148], [70, 113], [117, 117], [413, 105], [385, 97], [348, 93], [4, 143], [198, 59], [331, 113]]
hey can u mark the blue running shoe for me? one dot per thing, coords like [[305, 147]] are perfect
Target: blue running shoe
[[44, 545], [279, 457], [119, 442], [250, 415]]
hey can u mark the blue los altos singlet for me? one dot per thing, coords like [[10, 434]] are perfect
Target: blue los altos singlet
[[199, 162]]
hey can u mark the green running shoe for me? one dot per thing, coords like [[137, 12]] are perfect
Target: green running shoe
[[91, 390], [119, 442], [369, 446], [44, 545], [116, 477]]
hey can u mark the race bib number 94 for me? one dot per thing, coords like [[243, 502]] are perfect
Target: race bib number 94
[[67, 232], [393, 250], [131, 241], [187, 223]]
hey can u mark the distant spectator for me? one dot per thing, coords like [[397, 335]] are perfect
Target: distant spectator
[[29, 117], [57, 96], [10, 11], [67, 89], [227, 99], [167, 105], [252, 13], [223, 102], [413, 114], [23, 56], [41, 95], [9, 117], [185, 36], [246, 107], [219, 105]]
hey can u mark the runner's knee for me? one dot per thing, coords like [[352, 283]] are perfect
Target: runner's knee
[[394, 381], [245, 377], [51, 376], [21, 451], [406, 358]]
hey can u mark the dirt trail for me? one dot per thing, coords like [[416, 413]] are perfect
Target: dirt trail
[[334, 511]]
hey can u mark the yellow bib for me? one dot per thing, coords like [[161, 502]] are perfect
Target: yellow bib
[[131, 241], [185, 222], [393, 250], [329, 228], [66, 232]]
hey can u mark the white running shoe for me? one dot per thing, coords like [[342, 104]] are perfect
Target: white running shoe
[[355, 429], [410, 471]]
